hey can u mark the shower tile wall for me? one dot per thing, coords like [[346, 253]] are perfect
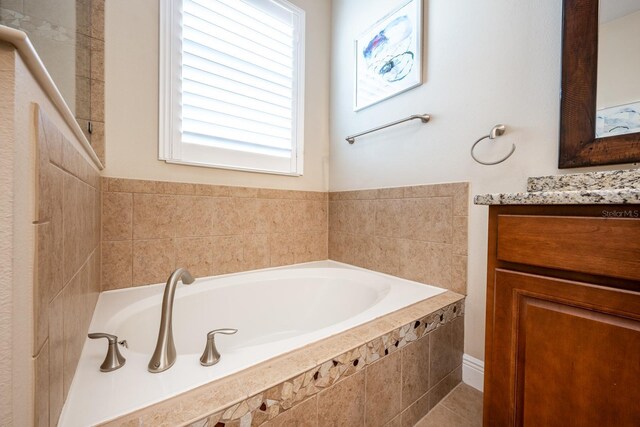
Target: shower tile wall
[[90, 72], [418, 233], [150, 228], [69, 37], [67, 265]]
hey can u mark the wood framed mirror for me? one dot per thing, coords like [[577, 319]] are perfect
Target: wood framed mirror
[[582, 108]]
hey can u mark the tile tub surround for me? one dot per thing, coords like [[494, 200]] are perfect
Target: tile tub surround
[[418, 233], [67, 258], [391, 370], [150, 227]]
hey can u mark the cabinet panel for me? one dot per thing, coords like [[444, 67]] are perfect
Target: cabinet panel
[[602, 246], [562, 353]]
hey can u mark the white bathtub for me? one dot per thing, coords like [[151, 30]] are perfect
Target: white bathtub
[[275, 311]]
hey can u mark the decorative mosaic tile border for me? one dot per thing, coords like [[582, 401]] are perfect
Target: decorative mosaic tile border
[[262, 407]]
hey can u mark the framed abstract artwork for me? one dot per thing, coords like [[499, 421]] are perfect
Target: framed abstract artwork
[[619, 120], [389, 56]]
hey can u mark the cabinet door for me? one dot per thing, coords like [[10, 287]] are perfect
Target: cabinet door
[[563, 353]]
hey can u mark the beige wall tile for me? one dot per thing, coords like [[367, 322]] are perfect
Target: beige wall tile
[[164, 187], [255, 251], [245, 215], [423, 219], [225, 217], [117, 265], [282, 248], [54, 139], [83, 55], [83, 98], [311, 246], [131, 185], [153, 260], [227, 254], [56, 355], [303, 415], [313, 215], [73, 304], [390, 193], [72, 223], [460, 232], [459, 275], [343, 403], [193, 216], [461, 199], [153, 216], [244, 192], [117, 216], [97, 100], [98, 141], [359, 217], [195, 255], [43, 278], [97, 59], [42, 387], [446, 347], [97, 19], [415, 371], [383, 390], [426, 262], [385, 255]]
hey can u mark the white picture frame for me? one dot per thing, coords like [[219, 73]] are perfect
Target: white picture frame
[[388, 56]]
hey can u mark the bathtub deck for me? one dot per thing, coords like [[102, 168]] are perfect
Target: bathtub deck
[[223, 394]]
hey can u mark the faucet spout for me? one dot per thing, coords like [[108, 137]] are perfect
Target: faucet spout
[[165, 354]]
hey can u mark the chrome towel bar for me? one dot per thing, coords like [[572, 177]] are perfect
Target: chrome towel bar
[[424, 118]]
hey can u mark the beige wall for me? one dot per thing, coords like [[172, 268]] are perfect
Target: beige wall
[[132, 102], [619, 61], [486, 62]]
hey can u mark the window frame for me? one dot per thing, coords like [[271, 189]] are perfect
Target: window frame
[[171, 148]]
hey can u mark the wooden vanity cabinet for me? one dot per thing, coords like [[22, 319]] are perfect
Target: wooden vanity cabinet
[[563, 316]]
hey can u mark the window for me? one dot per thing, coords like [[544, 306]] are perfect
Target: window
[[232, 84]]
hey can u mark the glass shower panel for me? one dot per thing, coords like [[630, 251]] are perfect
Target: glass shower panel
[[55, 28]]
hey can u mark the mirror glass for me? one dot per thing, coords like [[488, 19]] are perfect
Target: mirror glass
[[618, 92]]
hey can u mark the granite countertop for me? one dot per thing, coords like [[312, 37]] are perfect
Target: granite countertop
[[593, 188]]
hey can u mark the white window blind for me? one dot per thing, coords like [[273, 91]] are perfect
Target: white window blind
[[239, 86]]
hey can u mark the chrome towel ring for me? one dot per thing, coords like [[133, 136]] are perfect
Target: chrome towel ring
[[496, 131]]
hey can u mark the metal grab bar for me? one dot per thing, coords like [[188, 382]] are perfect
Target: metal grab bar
[[424, 118]]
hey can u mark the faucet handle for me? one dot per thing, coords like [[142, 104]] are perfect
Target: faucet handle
[[113, 360], [210, 356]]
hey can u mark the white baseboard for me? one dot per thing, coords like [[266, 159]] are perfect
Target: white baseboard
[[473, 372]]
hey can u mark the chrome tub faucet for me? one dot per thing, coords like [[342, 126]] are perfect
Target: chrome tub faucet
[[165, 354]]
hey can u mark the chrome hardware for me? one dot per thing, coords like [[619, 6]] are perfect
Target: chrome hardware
[[496, 131], [211, 356], [164, 355], [424, 118], [114, 360]]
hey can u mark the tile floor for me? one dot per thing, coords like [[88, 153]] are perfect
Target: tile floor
[[460, 408]]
